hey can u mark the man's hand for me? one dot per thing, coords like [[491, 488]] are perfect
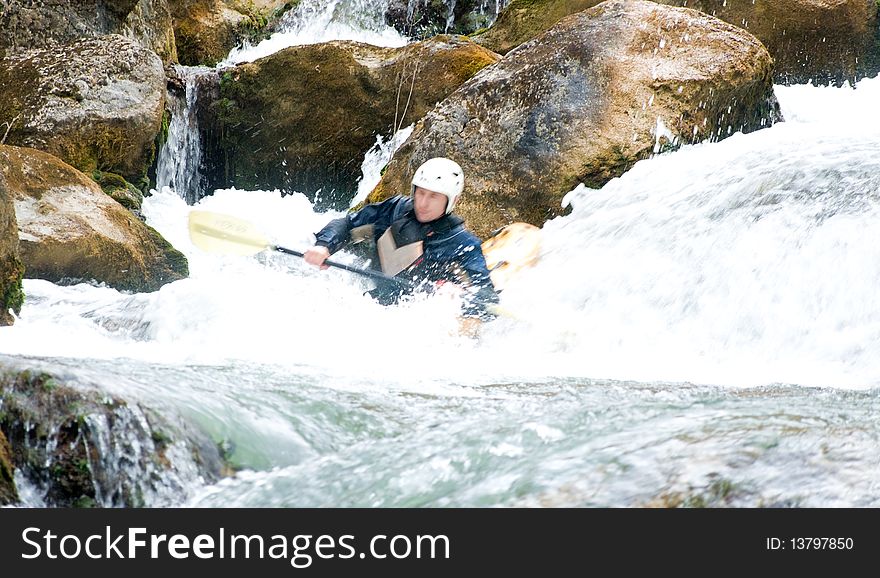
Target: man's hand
[[316, 256]]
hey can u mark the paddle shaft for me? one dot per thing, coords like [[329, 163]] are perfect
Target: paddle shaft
[[358, 270]]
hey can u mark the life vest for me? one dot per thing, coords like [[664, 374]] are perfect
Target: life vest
[[402, 245]]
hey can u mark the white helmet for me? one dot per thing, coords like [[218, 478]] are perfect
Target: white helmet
[[440, 175]]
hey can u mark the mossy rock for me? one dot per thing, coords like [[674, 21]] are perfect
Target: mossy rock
[[58, 434], [11, 267], [207, 30], [71, 231], [818, 41], [8, 491], [273, 139], [52, 451], [120, 190], [28, 25], [96, 103], [13, 296], [823, 41]]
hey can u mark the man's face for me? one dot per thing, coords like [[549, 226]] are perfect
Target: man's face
[[428, 205]]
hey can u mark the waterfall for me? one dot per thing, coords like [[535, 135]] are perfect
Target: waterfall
[[316, 21], [450, 15], [180, 159]]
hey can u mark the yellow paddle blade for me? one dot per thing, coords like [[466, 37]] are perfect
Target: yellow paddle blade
[[516, 247], [219, 233]]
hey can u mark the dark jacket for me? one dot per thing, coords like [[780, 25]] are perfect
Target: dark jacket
[[451, 253]]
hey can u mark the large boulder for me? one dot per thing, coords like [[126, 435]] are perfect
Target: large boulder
[[29, 24], [80, 447], [823, 41], [207, 30], [11, 267], [150, 22], [819, 40], [71, 231], [303, 118], [96, 103], [583, 102]]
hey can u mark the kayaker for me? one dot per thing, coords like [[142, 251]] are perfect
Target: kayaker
[[419, 238]]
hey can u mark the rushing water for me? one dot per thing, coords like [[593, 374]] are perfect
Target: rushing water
[[704, 330], [315, 21], [179, 163]]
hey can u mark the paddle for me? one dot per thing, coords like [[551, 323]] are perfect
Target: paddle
[[228, 235]]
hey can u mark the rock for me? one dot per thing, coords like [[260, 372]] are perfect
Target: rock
[[120, 190], [83, 448], [207, 30], [150, 22], [97, 103], [303, 118], [819, 40], [522, 20], [583, 102], [30, 24], [823, 41], [8, 491], [204, 31], [11, 267], [71, 231]]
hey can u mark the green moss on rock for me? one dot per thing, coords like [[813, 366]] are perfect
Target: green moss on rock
[[268, 124], [8, 491], [11, 266], [120, 190], [13, 294]]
